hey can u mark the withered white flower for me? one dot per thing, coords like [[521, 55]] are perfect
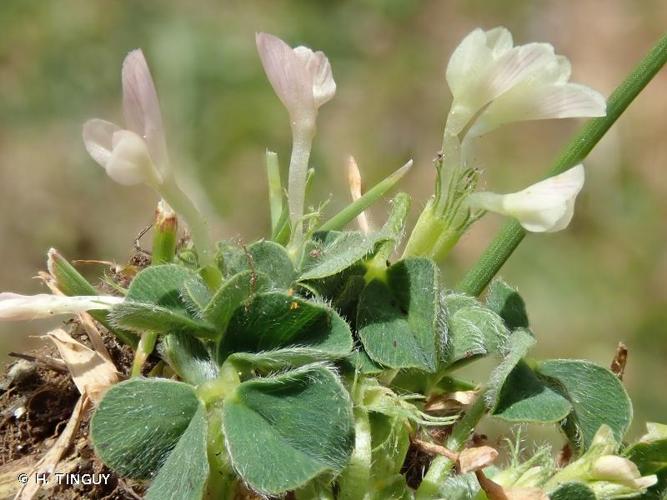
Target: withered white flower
[[546, 206], [494, 82], [301, 78], [616, 469], [303, 81], [135, 154], [14, 306]]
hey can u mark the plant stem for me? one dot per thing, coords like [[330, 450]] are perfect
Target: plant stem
[[302, 141], [441, 465], [509, 237], [144, 349], [198, 226]]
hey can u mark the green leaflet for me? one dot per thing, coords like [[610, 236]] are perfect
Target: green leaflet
[[342, 289], [506, 302], [154, 302], [281, 327], [195, 295], [188, 357], [360, 362], [139, 422], [234, 292], [142, 317], [596, 395], [573, 491], [524, 397], [397, 318], [390, 440], [331, 252], [266, 257], [183, 476], [517, 347], [283, 431], [472, 330]]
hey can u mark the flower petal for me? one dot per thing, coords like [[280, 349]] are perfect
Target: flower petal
[[142, 107], [499, 40], [25, 307], [547, 206], [97, 138], [516, 65], [540, 102], [130, 161], [288, 74], [317, 64]]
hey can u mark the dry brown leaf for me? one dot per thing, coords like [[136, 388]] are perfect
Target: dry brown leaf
[[92, 373], [472, 459], [47, 464], [451, 401]]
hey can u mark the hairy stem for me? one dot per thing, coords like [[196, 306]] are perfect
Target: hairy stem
[[509, 237], [302, 140]]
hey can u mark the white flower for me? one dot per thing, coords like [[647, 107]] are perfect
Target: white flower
[[495, 83], [25, 307], [301, 78], [137, 154], [547, 206], [607, 474], [616, 469]]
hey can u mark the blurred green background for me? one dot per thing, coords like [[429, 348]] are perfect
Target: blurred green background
[[601, 281]]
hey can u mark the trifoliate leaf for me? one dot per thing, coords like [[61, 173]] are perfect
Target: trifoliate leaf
[[507, 303], [183, 476], [283, 431], [596, 394], [139, 422], [278, 326], [397, 318]]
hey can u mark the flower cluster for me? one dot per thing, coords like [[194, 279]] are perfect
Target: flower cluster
[[494, 83]]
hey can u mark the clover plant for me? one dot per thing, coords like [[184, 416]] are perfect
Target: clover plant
[[316, 361]]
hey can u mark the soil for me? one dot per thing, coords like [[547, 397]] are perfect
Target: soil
[[37, 398]]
